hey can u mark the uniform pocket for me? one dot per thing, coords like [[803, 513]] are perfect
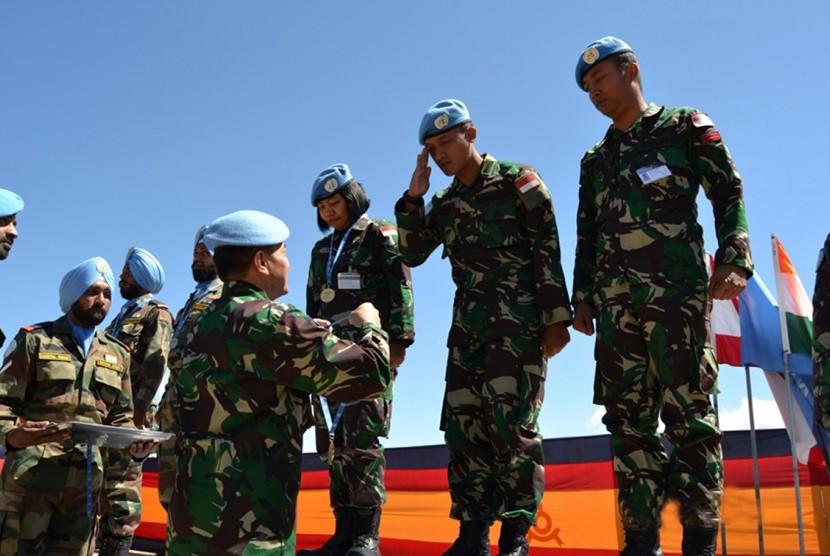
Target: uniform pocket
[[499, 230], [11, 508], [108, 387], [56, 382]]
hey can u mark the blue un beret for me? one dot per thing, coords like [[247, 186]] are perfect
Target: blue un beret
[[330, 181], [245, 228], [596, 52], [10, 203], [441, 117]]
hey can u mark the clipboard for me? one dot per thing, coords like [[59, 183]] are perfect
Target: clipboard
[[113, 437]]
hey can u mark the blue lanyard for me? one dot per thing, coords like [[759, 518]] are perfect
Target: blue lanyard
[[331, 262], [195, 298], [128, 310], [327, 414]]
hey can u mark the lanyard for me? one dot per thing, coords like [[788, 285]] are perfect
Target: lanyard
[[331, 262], [129, 309], [195, 298]]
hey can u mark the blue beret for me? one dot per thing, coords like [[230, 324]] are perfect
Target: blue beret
[[441, 117], [146, 269], [330, 181], [10, 203], [596, 52], [80, 278], [245, 228]]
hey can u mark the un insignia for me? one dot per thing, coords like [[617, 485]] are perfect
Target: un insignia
[[331, 185], [441, 121], [591, 55]]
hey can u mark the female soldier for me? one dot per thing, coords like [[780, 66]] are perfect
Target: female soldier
[[357, 262]]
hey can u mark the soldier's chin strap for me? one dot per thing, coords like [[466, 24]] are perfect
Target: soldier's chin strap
[[89, 512]]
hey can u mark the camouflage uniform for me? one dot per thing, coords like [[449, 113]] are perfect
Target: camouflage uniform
[[146, 332], [821, 337], [184, 327], [500, 235], [243, 407], [640, 264], [43, 497], [356, 472]]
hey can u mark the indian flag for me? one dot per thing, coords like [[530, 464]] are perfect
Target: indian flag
[[795, 308]]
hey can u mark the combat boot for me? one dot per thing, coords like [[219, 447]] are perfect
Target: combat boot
[[341, 541], [513, 537], [473, 540], [110, 545], [366, 538], [642, 543], [699, 541]]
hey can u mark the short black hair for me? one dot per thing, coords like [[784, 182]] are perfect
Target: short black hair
[[624, 60], [357, 203], [232, 259]]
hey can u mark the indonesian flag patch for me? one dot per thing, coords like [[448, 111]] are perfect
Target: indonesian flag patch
[[389, 231], [528, 182], [710, 136], [702, 120]]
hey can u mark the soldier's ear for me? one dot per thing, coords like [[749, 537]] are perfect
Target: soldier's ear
[[470, 134]]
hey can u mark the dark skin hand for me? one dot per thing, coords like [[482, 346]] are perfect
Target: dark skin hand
[[32, 433]]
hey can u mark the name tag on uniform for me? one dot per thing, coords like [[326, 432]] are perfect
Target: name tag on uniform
[[348, 281], [131, 320], [199, 306], [47, 356], [653, 173], [108, 365]]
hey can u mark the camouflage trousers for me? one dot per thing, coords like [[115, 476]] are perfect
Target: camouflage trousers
[[653, 360], [121, 495], [357, 464], [43, 503], [493, 397]]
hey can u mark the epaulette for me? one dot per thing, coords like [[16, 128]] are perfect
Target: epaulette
[[115, 340], [38, 326], [159, 304]]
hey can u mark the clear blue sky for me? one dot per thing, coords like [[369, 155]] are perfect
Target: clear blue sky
[[132, 123]]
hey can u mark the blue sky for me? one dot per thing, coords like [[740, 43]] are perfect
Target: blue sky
[[132, 123]]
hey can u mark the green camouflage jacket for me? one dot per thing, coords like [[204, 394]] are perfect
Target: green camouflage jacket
[[637, 219], [43, 378], [821, 336], [377, 275], [146, 333], [500, 236], [243, 407]]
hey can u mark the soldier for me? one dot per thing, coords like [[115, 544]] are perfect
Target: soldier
[[54, 372], [10, 204], [821, 337], [145, 325], [357, 262], [208, 289], [242, 395], [511, 313], [640, 273]]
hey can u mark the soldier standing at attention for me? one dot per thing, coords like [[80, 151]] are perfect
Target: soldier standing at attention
[[145, 326], [640, 273], [821, 337], [511, 312], [242, 396], [357, 262], [10, 204], [208, 289], [54, 372]]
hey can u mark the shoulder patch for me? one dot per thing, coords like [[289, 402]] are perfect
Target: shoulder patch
[[710, 136], [702, 120], [528, 182]]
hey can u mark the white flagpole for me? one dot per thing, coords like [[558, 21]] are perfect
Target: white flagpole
[[753, 441], [782, 318]]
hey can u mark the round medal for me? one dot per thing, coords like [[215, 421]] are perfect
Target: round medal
[[327, 295]]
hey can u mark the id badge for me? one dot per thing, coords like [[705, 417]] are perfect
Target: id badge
[[348, 281], [654, 173]]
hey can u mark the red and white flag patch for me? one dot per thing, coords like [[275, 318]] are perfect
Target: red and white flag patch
[[389, 231], [710, 136], [702, 120], [528, 182]]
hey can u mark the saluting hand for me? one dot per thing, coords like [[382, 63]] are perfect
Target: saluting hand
[[727, 282], [419, 184]]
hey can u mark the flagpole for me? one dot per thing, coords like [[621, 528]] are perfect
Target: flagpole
[[753, 441], [782, 319], [714, 342]]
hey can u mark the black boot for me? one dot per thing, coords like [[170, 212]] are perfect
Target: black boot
[[642, 543], [513, 537], [110, 545], [366, 538], [473, 540], [341, 541], [700, 541]]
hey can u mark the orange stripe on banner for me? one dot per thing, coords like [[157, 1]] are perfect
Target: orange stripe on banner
[[785, 265]]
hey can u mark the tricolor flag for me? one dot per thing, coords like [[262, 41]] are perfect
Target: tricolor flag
[[389, 231], [795, 311]]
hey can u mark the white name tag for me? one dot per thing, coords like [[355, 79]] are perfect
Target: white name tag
[[348, 281], [649, 175]]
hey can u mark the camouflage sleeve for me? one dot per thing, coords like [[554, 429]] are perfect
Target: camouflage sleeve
[[155, 335], [585, 263], [821, 337], [418, 237], [121, 411], [15, 375], [312, 302], [310, 358], [540, 225], [401, 325], [716, 172]]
